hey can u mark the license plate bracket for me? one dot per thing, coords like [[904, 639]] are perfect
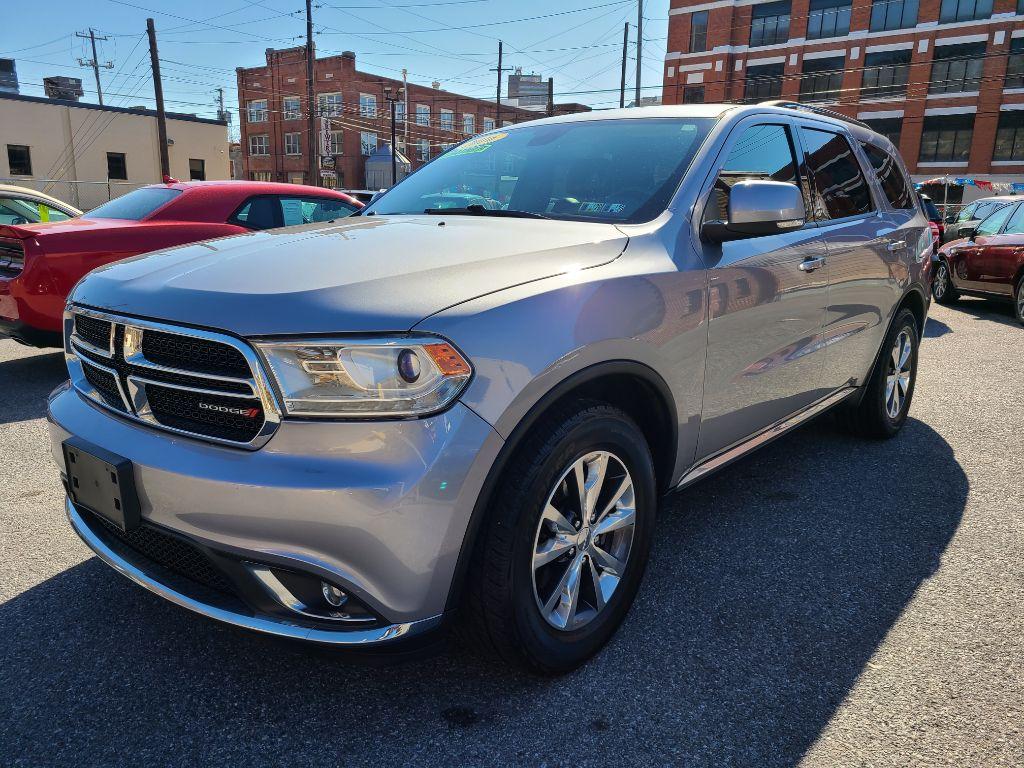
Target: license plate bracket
[[102, 482]]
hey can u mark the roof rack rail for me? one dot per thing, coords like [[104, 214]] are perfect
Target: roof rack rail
[[816, 110]]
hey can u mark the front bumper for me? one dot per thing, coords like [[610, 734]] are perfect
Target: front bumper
[[379, 508]]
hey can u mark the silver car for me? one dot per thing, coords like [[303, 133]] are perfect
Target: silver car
[[356, 433]]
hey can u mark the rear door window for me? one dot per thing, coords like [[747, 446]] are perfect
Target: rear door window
[[840, 189], [984, 210], [1015, 225], [890, 176]]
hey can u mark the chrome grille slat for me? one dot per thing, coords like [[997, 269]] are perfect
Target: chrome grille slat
[[228, 409]]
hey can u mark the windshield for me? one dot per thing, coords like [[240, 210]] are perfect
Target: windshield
[[614, 171], [135, 205]]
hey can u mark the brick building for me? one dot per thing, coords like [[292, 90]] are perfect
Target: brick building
[[272, 106], [944, 79]]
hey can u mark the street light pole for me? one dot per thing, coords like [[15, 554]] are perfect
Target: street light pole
[[393, 99]]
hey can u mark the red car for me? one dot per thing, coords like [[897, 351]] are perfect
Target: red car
[[40, 263], [989, 262]]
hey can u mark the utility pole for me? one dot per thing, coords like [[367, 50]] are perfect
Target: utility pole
[[639, 47], [499, 70], [393, 99], [94, 62], [551, 97], [161, 118], [625, 56], [314, 145], [405, 110]]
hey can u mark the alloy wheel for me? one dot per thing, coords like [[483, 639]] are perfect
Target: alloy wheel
[[1020, 301], [941, 284], [583, 540], [897, 382]]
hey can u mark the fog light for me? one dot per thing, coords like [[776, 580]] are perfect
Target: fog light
[[334, 596]]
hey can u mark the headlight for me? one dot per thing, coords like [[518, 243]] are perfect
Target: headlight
[[411, 376]]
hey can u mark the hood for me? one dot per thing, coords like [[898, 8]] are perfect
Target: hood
[[364, 274]]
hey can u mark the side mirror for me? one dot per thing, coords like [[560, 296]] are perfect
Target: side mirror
[[968, 232], [759, 208]]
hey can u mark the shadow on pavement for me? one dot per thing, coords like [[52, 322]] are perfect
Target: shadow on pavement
[[25, 381], [769, 589], [933, 328], [988, 309]]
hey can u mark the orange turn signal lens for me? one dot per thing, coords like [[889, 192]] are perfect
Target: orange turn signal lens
[[448, 361]]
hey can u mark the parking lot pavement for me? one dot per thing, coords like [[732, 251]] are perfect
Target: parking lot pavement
[[827, 602]]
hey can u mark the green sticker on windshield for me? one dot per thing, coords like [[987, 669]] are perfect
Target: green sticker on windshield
[[479, 144]]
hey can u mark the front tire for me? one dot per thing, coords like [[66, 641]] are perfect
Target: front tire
[[942, 285], [1018, 301], [562, 553], [883, 409]]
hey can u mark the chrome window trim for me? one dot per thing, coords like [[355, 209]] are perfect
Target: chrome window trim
[[135, 402]]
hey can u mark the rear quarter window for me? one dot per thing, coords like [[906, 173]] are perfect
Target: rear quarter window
[[890, 176]]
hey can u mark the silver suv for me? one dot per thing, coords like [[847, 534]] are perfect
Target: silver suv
[[468, 400]]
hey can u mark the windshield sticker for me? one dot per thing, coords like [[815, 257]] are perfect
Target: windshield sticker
[[479, 144]]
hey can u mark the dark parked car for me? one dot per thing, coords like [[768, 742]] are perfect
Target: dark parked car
[[935, 222], [972, 214], [989, 262]]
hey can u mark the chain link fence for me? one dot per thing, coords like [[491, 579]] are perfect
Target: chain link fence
[[83, 195]]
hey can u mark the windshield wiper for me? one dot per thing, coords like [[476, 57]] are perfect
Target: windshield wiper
[[479, 210]]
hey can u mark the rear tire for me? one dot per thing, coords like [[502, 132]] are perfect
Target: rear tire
[[942, 285], [885, 403], [536, 545]]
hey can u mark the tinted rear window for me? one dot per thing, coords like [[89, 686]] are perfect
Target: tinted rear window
[[135, 205]]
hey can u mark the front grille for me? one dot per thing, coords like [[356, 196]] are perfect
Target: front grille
[[170, 552], [181, 409], [105, 383], [194, 354], [93, 330], [194, 381]]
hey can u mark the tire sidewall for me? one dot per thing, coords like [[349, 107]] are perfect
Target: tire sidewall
[[549, 647], [905, 321], [1018, 310]]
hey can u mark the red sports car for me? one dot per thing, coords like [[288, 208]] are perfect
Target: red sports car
[[40, 263], [989, 262]]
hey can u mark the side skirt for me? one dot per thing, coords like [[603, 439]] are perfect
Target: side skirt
[[729, 455]]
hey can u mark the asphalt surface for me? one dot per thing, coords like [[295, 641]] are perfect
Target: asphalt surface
[[827, 602]]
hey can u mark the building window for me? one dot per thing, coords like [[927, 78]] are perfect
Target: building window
[[367, 105], [693, 94], [698, 31], [329, 104], [19, 158], [447, 120], [964, 10], [258, 111], [423, 150], [259, 145], [889, 127], [1010, 136], [291, 107], [291, 144], [769, 24], [259, 175], [446, 146], [957, 68], [422, 114], [893, 14], [336, 143], [822, 79], [946, 138], [763, 82], [828, 18], [885, 74], [399, 111], [367, 143], [488, 123], [117, 167], [1015, 64], [196, 169], [296, 177], [469, 124]]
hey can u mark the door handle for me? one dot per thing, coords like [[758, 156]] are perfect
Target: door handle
[[809, 265], [898, 245]]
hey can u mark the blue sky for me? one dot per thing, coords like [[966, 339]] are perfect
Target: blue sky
[[578, 42]]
